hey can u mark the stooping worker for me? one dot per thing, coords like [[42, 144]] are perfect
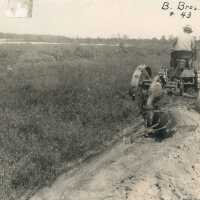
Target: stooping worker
[[184, 47]]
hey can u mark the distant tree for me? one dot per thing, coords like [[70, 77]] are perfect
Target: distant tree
[[171, 37], [163, 38], [125, 37], [118, 35], [155, 39]]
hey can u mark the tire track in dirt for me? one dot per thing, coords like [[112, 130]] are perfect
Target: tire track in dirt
[[145, 169]]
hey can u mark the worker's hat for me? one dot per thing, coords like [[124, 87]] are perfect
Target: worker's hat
[[187, 28]]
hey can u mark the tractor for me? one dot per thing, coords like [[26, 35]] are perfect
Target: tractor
[[181, 78]]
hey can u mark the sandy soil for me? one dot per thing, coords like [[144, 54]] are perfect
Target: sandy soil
[[142, 170]]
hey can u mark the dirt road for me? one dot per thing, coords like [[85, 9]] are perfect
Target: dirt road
[[143, 170]]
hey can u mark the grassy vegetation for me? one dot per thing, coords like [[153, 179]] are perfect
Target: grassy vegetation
[[60, 102]]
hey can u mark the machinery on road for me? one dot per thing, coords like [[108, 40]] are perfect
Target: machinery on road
[[182, 78]]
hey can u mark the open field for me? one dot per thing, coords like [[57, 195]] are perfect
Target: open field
[[60, 102]]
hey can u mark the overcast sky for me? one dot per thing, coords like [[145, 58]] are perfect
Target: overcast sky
[[99, 18]]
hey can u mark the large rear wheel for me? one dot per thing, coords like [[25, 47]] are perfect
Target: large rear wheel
[[140, 82], [198, 87]]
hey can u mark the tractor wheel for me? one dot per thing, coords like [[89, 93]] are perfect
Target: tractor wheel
[[198, 88], [141, 74], [198, 79], [181, 86]]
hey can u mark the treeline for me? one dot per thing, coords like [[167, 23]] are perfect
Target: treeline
[[139, 42], [64, 39], [33, 38]]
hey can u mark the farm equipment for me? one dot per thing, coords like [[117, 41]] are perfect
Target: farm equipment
[[182, 78]]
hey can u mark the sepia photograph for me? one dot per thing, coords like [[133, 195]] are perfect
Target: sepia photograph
[[99, 100]]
